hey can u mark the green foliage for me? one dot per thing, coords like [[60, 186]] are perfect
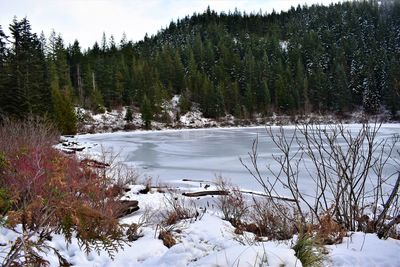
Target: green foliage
[[128, 115], [3, 161], [184, 103], [147, 112], [5, 203], [96, 100], [238, 111], [64, 113], [23, 83], [309, 251]]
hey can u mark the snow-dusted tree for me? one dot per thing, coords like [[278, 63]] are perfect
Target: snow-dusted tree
[[147, 112]]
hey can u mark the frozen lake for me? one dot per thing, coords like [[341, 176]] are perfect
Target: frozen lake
[[173, 155]]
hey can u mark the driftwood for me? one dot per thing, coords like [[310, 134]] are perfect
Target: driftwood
[[224, 192], [205, 193], [265, 195], [198, 181], [76, 148], [127, 207], [68, 151], [94, 163], [72, 145]]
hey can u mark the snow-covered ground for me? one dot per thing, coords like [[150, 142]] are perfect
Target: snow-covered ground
[[207, 240], [171, 155]]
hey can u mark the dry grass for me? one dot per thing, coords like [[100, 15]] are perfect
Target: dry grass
[[167, 238]]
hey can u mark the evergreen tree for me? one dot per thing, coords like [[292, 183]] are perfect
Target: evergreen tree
[[76, 72], [129, 115], [147, 112], [184, 103], [63, 109], [310, 59], [26, 89], [264, 98], [3, 73]]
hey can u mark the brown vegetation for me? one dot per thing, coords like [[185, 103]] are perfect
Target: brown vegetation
[[46, 192]]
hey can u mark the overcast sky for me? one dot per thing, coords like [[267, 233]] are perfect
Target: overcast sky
[[86, 20]]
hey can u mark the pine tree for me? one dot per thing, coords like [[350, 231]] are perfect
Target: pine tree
[[147, 112], [179, 74], [3, 74], [265, 98], [26, 90], [61, 87], [160, 95], [184, 103], [75, 63], [63, 109], [249, 100], [129, 115]]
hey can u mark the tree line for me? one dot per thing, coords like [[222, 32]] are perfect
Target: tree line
[[326, 59]]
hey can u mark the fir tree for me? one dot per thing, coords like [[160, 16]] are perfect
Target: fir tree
[[147, 112], [128, 115]]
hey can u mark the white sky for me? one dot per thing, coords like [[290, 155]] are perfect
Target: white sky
[[86, 20]]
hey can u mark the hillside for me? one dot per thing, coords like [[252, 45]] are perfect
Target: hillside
[[324, 59]]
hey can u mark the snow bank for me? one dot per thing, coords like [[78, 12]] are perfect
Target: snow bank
[[365, 250]]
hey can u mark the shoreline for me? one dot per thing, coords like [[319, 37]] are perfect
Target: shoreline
[[168, 129]]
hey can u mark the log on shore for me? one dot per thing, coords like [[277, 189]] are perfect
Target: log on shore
[[94, 163], [265, 195], [224, 192], [205, 193], [127, 207]]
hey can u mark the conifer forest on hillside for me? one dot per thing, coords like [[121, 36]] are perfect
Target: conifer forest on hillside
[[325, 59]]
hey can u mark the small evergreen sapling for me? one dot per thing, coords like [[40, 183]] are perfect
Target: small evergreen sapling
[[129, 115]]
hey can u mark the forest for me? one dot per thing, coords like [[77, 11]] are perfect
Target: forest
[[333, 59]]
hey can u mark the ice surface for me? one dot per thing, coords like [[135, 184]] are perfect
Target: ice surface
[[201, 153]]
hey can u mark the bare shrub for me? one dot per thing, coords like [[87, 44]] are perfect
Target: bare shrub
[[347, 170], [232, 205], [134, 230], [116, 175], [30, 133], [173, 218], [124, 175], [177, 209], [269, 222]]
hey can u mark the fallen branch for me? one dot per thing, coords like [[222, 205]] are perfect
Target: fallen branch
[[205, 193], [94, 163], [268, 196]]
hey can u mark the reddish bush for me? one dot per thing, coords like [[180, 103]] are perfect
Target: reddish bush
[[50, 193]]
